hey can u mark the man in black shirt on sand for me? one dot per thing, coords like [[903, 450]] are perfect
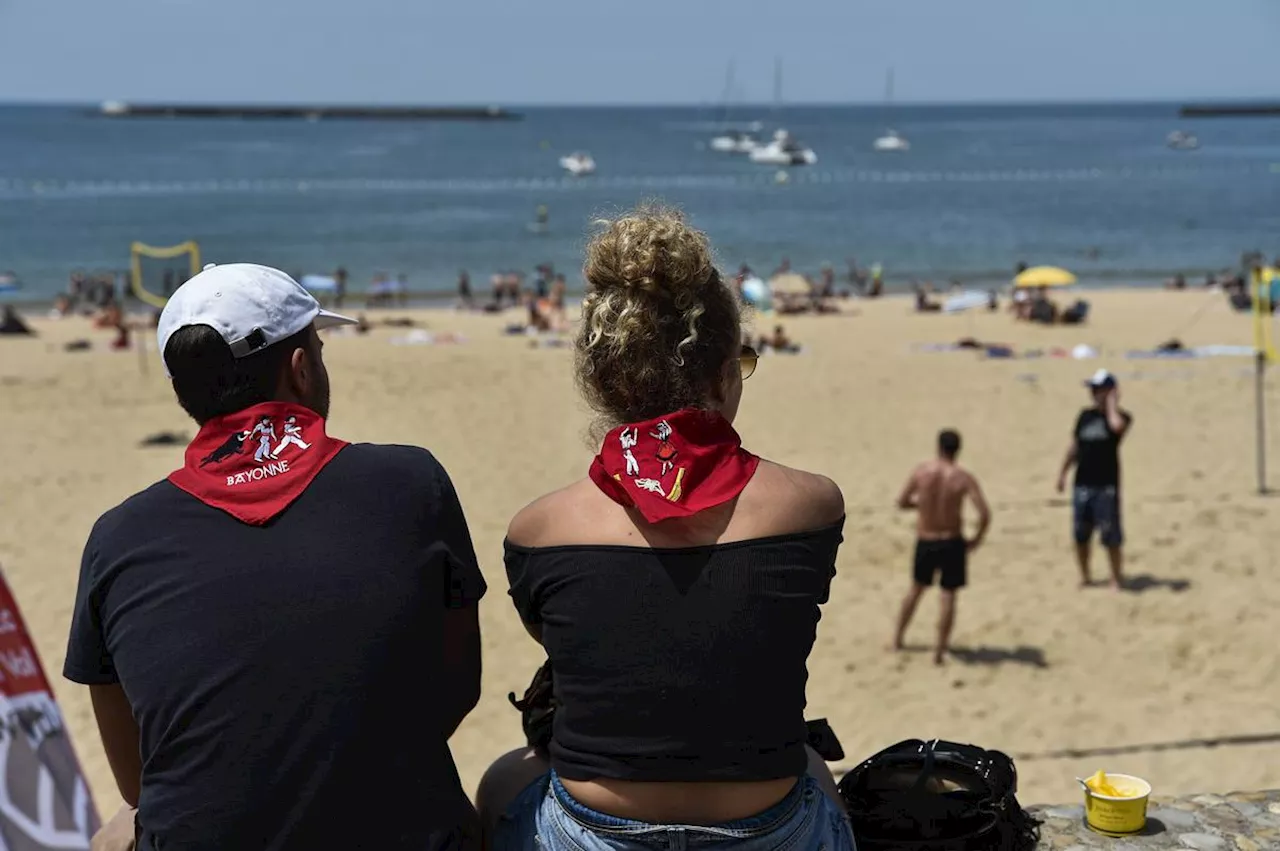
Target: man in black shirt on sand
[[280, 638], [1095, 453]]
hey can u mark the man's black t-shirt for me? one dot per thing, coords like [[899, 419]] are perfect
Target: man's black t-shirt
[[1097, 449], [286, 678]]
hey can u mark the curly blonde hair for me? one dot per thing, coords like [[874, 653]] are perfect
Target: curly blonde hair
[[658, 323]]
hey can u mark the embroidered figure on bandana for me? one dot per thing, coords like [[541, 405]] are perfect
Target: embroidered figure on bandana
[[266, 433], [628, 439], [292, 436], [666, 453], [651, 485]]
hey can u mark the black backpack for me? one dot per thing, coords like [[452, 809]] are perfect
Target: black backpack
[[937, 796]]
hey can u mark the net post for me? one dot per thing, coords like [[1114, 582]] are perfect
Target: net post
[[1260, 404]]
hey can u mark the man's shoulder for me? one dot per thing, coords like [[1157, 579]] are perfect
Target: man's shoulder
[[410, 469], [392, 458], [145, 506]]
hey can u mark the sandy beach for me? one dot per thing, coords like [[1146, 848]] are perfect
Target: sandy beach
[[1041, 665]]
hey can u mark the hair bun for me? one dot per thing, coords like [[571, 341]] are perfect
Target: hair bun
[[651, 251]]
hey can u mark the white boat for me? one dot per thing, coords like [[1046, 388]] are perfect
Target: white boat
[[578, 164], [734, 139], [1181, 141], [735, 142], [783, 150], [892, 141]]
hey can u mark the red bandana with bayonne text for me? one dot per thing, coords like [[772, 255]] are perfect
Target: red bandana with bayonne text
[[673, 466], [254, 463]]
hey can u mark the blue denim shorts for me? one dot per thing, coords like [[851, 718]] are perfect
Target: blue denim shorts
[[545, 817], [1097, 508]]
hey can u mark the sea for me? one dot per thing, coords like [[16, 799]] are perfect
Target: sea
[[1093, 188]]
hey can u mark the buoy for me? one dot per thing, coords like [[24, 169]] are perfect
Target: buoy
[[781, 177]]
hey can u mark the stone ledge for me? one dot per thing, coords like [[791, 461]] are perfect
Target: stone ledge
[[1240, 821]]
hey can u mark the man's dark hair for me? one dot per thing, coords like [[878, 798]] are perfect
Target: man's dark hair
[[210, 382], [949, 443]]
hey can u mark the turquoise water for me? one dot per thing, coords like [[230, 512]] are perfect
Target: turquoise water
[[1093, 188]]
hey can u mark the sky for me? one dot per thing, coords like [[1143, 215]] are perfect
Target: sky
[[514, 52]]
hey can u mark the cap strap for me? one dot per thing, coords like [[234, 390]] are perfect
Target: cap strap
[[249, 343]]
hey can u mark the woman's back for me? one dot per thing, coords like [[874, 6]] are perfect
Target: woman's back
[[678, 648]]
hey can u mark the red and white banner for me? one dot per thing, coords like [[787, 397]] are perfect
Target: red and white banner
[[44, 799]]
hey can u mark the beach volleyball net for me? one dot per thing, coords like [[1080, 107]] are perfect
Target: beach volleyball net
[[156, 271]]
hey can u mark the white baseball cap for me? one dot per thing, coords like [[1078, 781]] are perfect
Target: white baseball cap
[[1100, 379], [251, 306]]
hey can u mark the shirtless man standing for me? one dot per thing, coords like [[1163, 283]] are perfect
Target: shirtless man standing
[[936, 490]]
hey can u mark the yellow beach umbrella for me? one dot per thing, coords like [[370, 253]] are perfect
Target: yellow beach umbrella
[[1044, 276]]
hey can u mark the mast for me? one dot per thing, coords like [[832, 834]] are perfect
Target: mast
[[728, 92]]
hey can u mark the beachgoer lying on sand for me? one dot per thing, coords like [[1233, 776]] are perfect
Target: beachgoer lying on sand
[[665, 582], [778, 341], [936, 491], [11, 323], [244, 698], [924, 304]]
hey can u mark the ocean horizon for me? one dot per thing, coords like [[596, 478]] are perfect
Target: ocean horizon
[[1089, 186]]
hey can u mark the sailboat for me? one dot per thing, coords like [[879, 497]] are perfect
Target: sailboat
[[734, 140], [892, 141], [783, 150]]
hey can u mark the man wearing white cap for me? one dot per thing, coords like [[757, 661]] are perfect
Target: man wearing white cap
[[1095, 453], [278, 647]]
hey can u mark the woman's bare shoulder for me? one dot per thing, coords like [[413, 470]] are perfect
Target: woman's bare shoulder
[[797, 500], [558, 517]]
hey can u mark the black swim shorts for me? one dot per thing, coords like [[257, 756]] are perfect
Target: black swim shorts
[[950, 557]]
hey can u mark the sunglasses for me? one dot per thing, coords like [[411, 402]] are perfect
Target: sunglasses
[[747, 361]]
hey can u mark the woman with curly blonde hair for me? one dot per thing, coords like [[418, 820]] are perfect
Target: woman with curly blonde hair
[[676, 587]]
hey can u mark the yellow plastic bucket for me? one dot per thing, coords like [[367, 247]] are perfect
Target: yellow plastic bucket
[[1118, 816]]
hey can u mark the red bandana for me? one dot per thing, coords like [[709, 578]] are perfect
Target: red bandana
[[673, 466], [254, 463]]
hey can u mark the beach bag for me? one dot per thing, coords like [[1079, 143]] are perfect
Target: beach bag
[[538, 709], [937, 796]]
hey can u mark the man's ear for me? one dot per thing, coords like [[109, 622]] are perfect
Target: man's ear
[[300, 374]]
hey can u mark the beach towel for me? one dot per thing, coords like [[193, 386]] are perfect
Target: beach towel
[[1157, 354]]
